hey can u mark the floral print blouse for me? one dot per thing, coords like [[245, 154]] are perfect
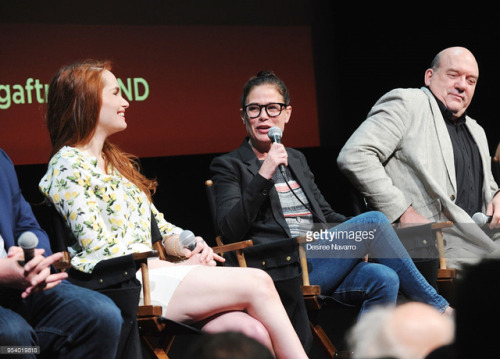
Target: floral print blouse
[[109, 215]]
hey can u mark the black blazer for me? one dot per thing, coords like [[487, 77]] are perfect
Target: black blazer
[[248, 205]]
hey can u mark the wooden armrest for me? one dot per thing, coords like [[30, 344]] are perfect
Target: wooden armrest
[[64, 262], [309, 290], [303, 240], [440, 225], [238, 246], [149, 311], [447, 274], [436, 227], [233, 246], [145, 255]]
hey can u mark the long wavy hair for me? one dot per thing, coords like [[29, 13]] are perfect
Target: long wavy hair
[[73, 106]]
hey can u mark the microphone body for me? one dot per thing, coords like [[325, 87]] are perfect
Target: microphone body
[[275, 135], [28, 242], [480, 218], [187, 239]]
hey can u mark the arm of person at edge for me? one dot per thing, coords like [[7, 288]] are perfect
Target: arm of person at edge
[[23, 214]]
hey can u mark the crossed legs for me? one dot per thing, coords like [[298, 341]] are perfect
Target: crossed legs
[[342, 271], [220, 296]]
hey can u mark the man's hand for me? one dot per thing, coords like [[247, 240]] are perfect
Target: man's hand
[[410, 217], [493, 210], [34, 276]]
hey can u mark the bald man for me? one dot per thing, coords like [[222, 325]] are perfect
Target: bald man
[[419, 158], [409, 331]]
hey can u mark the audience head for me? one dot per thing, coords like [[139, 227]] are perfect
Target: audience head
[[408, 331], [452, 78], [265, 103], [228, 345]]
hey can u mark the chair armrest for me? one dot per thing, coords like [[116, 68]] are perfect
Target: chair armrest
[[303, 262], [64, 262], [233, 246], [440, 225], [436, 227], [303, 240], [236, 247], [146, 289], [145, 255]]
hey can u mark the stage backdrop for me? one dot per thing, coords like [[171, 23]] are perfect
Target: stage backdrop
[[183, 83]]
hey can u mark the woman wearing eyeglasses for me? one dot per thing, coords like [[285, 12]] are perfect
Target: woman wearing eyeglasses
[[255, 200]]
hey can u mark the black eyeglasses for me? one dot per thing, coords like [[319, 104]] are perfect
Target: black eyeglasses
[[273, 109]]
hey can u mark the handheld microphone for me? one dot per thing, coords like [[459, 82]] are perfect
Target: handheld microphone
[[187, 240], [275, 135], [480, 218], [28, 242]]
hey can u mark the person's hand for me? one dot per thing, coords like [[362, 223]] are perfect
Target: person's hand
[[276, 156], [35, 275], [202, 254], [493, 210], [410, 217]]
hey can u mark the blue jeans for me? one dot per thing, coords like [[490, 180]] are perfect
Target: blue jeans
[[66, 322], [337, 265]]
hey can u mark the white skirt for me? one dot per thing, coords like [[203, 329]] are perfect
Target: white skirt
[[163, 282]]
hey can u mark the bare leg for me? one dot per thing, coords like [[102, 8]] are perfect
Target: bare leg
[[207, 291]]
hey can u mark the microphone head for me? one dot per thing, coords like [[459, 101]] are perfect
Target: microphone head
[[187, 239], [275, 134], [481, 218], [27, 240]]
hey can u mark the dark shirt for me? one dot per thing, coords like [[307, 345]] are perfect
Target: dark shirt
[[468, 165]]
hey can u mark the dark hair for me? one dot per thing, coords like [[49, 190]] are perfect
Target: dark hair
[[265, 78]]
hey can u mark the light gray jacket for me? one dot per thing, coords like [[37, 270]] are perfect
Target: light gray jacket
[[402, 155]]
